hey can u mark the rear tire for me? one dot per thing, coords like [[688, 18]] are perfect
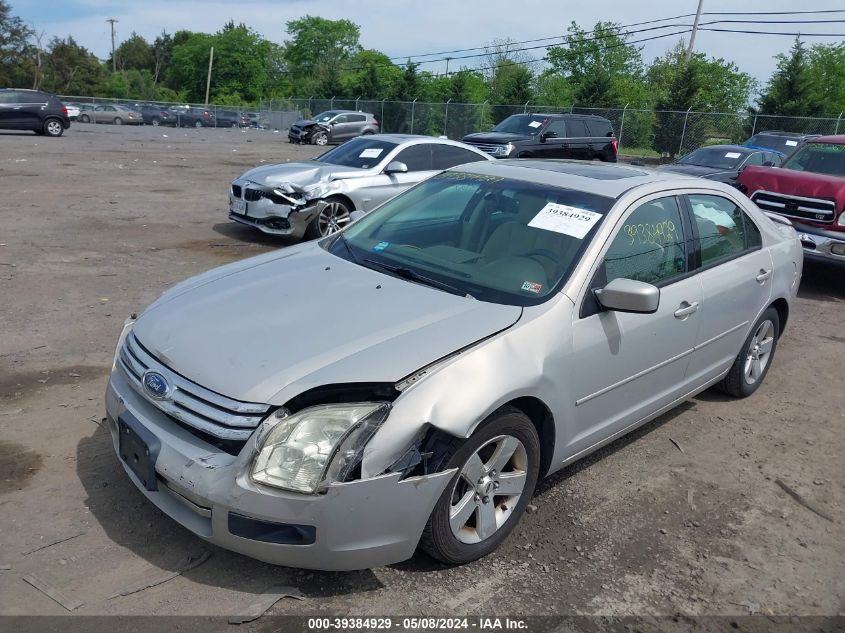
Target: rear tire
[[498, 467], [156, 121], [754, 359], [198, 124], [118, 121], [84, 119], [53, 127]]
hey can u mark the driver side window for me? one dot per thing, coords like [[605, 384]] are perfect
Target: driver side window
[[650, 246]]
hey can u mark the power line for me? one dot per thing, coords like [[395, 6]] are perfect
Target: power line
[[798, 34]]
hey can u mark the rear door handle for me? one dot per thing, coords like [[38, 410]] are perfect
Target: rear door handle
[[686, 309], [764, 275]]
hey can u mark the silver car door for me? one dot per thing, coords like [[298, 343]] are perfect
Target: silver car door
[[626, 366], [381, 187], [736, 273]]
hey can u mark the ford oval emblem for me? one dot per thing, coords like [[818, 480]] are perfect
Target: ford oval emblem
[[156, 385]]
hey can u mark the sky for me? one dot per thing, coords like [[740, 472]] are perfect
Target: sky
[[401, 28]]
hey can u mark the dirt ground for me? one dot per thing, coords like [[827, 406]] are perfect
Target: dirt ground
[[682, 517]]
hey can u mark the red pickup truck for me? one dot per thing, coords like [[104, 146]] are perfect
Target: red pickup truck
[[809, 189]]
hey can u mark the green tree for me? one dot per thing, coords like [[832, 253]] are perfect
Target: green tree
[[790, 91], [679, 95], [16, 53], [71, 69], [317, 52], [371, 75], [162, 50], [134, 53], [826, 76], [602, 68]]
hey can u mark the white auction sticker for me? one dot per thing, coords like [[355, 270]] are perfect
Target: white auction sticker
[[733, 155], [370, 153], [535, 124], [561, 218], [792, 143]]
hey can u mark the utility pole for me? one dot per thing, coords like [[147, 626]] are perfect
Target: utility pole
[[694, 29], [448, 59], [208, 81], [113, 58]]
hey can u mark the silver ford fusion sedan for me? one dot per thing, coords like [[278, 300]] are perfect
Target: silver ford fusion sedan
[[319, 197], [405, 382]]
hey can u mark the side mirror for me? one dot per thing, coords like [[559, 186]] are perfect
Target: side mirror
[[396, 167], [628, 295], [547, 135]]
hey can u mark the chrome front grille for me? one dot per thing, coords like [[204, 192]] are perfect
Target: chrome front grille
[[189, 403], [236, 191], [489, 149], [813, 209]]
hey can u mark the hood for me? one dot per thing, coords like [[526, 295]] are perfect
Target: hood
[[307, 122], [293, 321], [497, 138], [301, 174], [700, 171], [796, 183]]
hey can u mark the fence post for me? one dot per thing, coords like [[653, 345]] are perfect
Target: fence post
[[413, 105], [571, 108], [382, 114], [446, 116], [481, 118], [525, 108], [331, 103], [309, 107], [621, 128], [837, 123], [754, 125], [683, 132], [356, 104]]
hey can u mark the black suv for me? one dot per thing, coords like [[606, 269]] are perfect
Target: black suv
[[580, 136], [32, 110]]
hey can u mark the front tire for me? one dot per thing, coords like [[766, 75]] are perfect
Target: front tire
[[754, 359], [334, 217], [118, 120], [320, 138], [53, 127], [198, 124], [155, 121], [498, 467]]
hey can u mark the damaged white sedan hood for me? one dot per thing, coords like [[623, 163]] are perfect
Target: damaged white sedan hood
[[302, 318], [300, 174]]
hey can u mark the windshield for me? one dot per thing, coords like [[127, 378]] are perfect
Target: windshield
[[526, 124], [498, 240], [325, 117], [821, 158], [777, 142], [717, 158], [361, 153]]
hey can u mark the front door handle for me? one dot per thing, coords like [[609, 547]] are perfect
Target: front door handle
[[686, 309], [764, 275]]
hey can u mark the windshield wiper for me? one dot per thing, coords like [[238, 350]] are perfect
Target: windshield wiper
[[412, 275]]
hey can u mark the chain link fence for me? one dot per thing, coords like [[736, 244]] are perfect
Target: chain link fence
[[648, 133]]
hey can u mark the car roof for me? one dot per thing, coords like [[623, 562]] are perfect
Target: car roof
[[837, 139], [732, 148], [408, 138], [786, 134], [609, 180]]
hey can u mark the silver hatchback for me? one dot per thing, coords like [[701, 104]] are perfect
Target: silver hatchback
[[499, 321]]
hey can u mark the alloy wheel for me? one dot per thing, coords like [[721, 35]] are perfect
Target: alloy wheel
[[488, 489], [54, 128], [333, 218], [759, 352]]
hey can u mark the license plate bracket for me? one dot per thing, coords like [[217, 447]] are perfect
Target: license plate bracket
[[138, 448], [239, 207]]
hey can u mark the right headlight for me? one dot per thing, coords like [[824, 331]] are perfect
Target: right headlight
[[312, 448]]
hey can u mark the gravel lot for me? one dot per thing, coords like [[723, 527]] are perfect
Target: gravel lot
[[684, 516]]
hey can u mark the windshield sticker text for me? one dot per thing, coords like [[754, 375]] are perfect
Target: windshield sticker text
[[733, 155], [381, 246], [561, 218], [535, 124], [373, 152], [532, 286], [792, 143]]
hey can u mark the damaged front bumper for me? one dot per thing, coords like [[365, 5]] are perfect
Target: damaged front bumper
[[353, 525], [272, 210]]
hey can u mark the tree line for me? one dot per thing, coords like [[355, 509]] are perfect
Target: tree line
[[323, 58]]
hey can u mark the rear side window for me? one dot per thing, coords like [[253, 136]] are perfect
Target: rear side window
[[600, 128], [650, 246], [724, 230], [416, 157], [8, 96], [446, 156], [356, 118], [577, 128]]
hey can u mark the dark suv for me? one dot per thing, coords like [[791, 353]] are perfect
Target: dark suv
[[783, 143], [579, 136], [231, 118], [32, 110]]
